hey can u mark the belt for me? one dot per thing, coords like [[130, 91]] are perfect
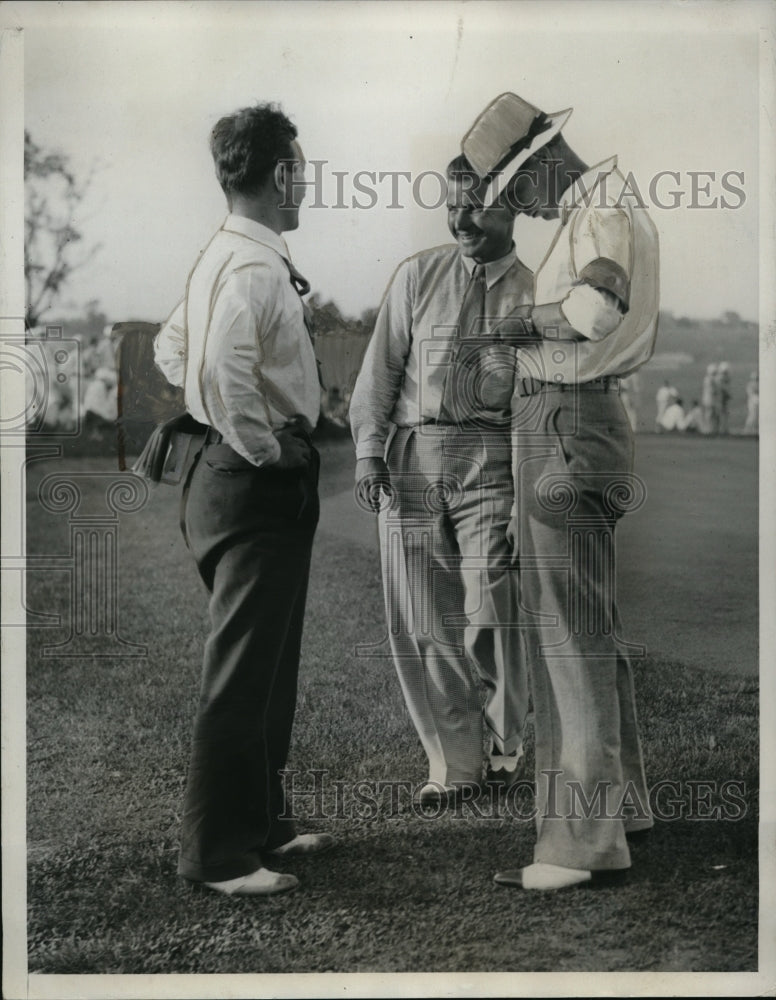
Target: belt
[[468, 426], [531, 386], [213, 436]]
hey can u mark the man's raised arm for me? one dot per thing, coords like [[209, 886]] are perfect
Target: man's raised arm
[[601, 244]]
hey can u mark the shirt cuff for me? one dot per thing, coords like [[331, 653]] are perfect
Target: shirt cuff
[[267, 454], [551, 323], [589, 312], [370, 449]]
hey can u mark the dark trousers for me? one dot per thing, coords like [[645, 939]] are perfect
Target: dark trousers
[[251, 532]]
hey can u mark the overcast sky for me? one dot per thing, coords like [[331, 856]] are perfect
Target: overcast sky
[[389, 87]]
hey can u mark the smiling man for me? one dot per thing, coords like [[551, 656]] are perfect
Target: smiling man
[[430, 415]]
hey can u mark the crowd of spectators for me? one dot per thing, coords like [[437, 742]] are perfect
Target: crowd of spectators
[[711, 413]]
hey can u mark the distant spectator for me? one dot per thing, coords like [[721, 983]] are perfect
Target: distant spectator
[[752, 404], [336, 407], [60, 414], [99, 352], [666, 394], [723, 396], [673, 417], [710, 401], [693, 421], [100, 408]]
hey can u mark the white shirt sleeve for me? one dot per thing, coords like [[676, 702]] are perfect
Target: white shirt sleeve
[[244, 313], [602, 259], [380, 380], [170, 346], [591, 312]]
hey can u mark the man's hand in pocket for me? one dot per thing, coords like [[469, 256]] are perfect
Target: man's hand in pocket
[[372, 477], [294, 449]]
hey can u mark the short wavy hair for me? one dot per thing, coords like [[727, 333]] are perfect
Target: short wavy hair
[[247, 145], [460, 170]]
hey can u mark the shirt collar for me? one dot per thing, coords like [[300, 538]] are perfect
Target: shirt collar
[[257, 232], [494, 269], [579, 191]]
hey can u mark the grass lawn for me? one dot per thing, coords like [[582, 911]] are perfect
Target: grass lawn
[[108, 747]]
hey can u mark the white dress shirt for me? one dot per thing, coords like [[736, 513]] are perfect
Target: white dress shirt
[[409, 356], [604, 242], [238, 344]]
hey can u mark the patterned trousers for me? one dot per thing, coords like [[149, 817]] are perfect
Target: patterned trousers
[[450, 590]]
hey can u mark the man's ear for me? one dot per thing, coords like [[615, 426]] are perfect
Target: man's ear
[[279, 176]]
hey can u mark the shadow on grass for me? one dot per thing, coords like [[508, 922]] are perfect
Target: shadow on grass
[[108, 745], [419, 897]]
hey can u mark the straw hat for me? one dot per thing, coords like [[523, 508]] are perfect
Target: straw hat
[[505, 135]]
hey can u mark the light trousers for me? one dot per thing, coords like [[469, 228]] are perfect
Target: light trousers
[[450, 587], [574, 480]]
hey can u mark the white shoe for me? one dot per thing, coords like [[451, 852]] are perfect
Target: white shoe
[[503, 772], [433, 795], [304, 843], [506, 762], [262, 882], [543, 876]]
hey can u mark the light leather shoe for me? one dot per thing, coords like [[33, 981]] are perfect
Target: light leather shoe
[[304, 843], [501, 779], [545, 877], [435, 796], [262, 882], [542, 876]]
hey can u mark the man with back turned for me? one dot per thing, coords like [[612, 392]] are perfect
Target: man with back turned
[[238, 344]]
